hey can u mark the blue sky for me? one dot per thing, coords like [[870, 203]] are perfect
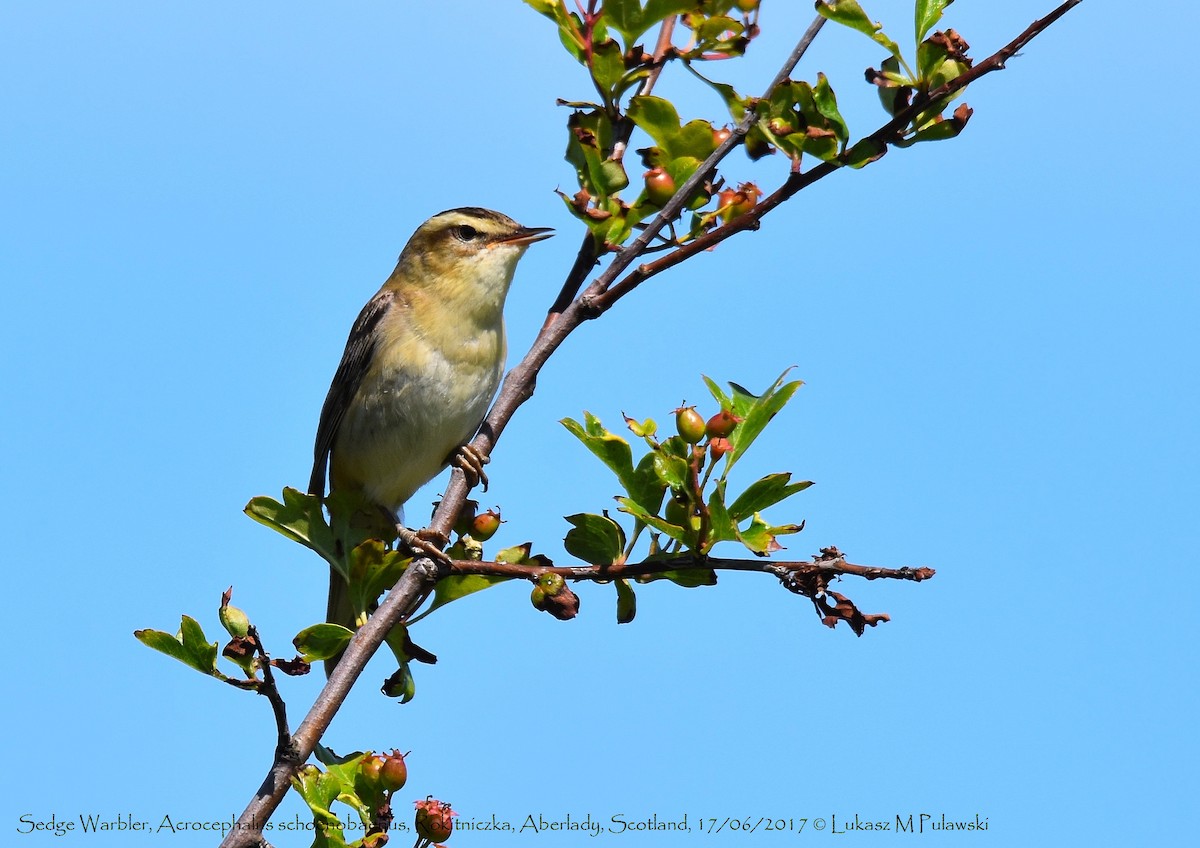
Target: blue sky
[[997, 336]]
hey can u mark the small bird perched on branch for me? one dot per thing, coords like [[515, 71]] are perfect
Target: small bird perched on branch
[[421, 366]]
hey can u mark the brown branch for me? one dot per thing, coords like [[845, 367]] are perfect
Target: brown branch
[[797, 182], [408, 593], [834, 565], [589, 254]]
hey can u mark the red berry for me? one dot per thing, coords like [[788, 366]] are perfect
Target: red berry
[[393, 773], [721, 424], [435, 820], [485, 525], [718, 447], [659, 186]]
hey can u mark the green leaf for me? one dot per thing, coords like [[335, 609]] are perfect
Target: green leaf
[[927, 13], [826, 104], [610, 448], [568, 25], [457, 586], [608, 67], [635, 509], [849, 13], [671, 470], [657, 117], [646, 487], [189, 646], [766, 492], [629, 18], [864, 153], [756, 412], [722, 527], [589, 149], [322, 641], [626, 601], [319, 790], [594, 539], [300, 519], [690, 578], [373, 570], [760, 537]]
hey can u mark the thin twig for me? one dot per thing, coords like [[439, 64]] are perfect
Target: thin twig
[[833, 567]]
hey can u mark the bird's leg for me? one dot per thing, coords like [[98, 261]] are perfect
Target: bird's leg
[[428, 542], [471, 462]]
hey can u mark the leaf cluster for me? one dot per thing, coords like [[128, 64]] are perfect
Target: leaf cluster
[[678, 489]]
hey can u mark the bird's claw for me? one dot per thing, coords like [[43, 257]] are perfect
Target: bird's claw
[[425, 542], [471, 462]]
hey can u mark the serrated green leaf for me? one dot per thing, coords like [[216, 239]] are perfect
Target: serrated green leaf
[[594, 539], [850, 14], [608, 447], [322, 641], [718, 394], [626, 601], [756, 412], [926, 14], [764, 493], [759, 538], [189, 645], [300, 519]]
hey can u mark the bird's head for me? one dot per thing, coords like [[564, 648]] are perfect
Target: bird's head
[[467, 256]]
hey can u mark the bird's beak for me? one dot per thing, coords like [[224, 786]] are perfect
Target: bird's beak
[[526, 235]]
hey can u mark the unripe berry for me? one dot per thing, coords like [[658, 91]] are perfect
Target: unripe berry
[[659, 186], [676, 512], [485, 525], [690, 424], [370, 767], [721, 424], [235, 622], [747, 5]]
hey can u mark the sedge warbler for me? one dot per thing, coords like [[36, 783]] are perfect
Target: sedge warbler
[[421, 366]]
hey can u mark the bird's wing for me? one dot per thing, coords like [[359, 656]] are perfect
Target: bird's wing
[[356, 360]]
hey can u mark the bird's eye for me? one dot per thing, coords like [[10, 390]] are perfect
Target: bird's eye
[[465, 232]]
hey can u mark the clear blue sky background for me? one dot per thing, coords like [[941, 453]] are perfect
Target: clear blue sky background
[[997, 333]]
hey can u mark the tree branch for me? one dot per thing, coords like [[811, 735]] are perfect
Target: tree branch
[[797, 182], [408, 593], [829, 564]]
